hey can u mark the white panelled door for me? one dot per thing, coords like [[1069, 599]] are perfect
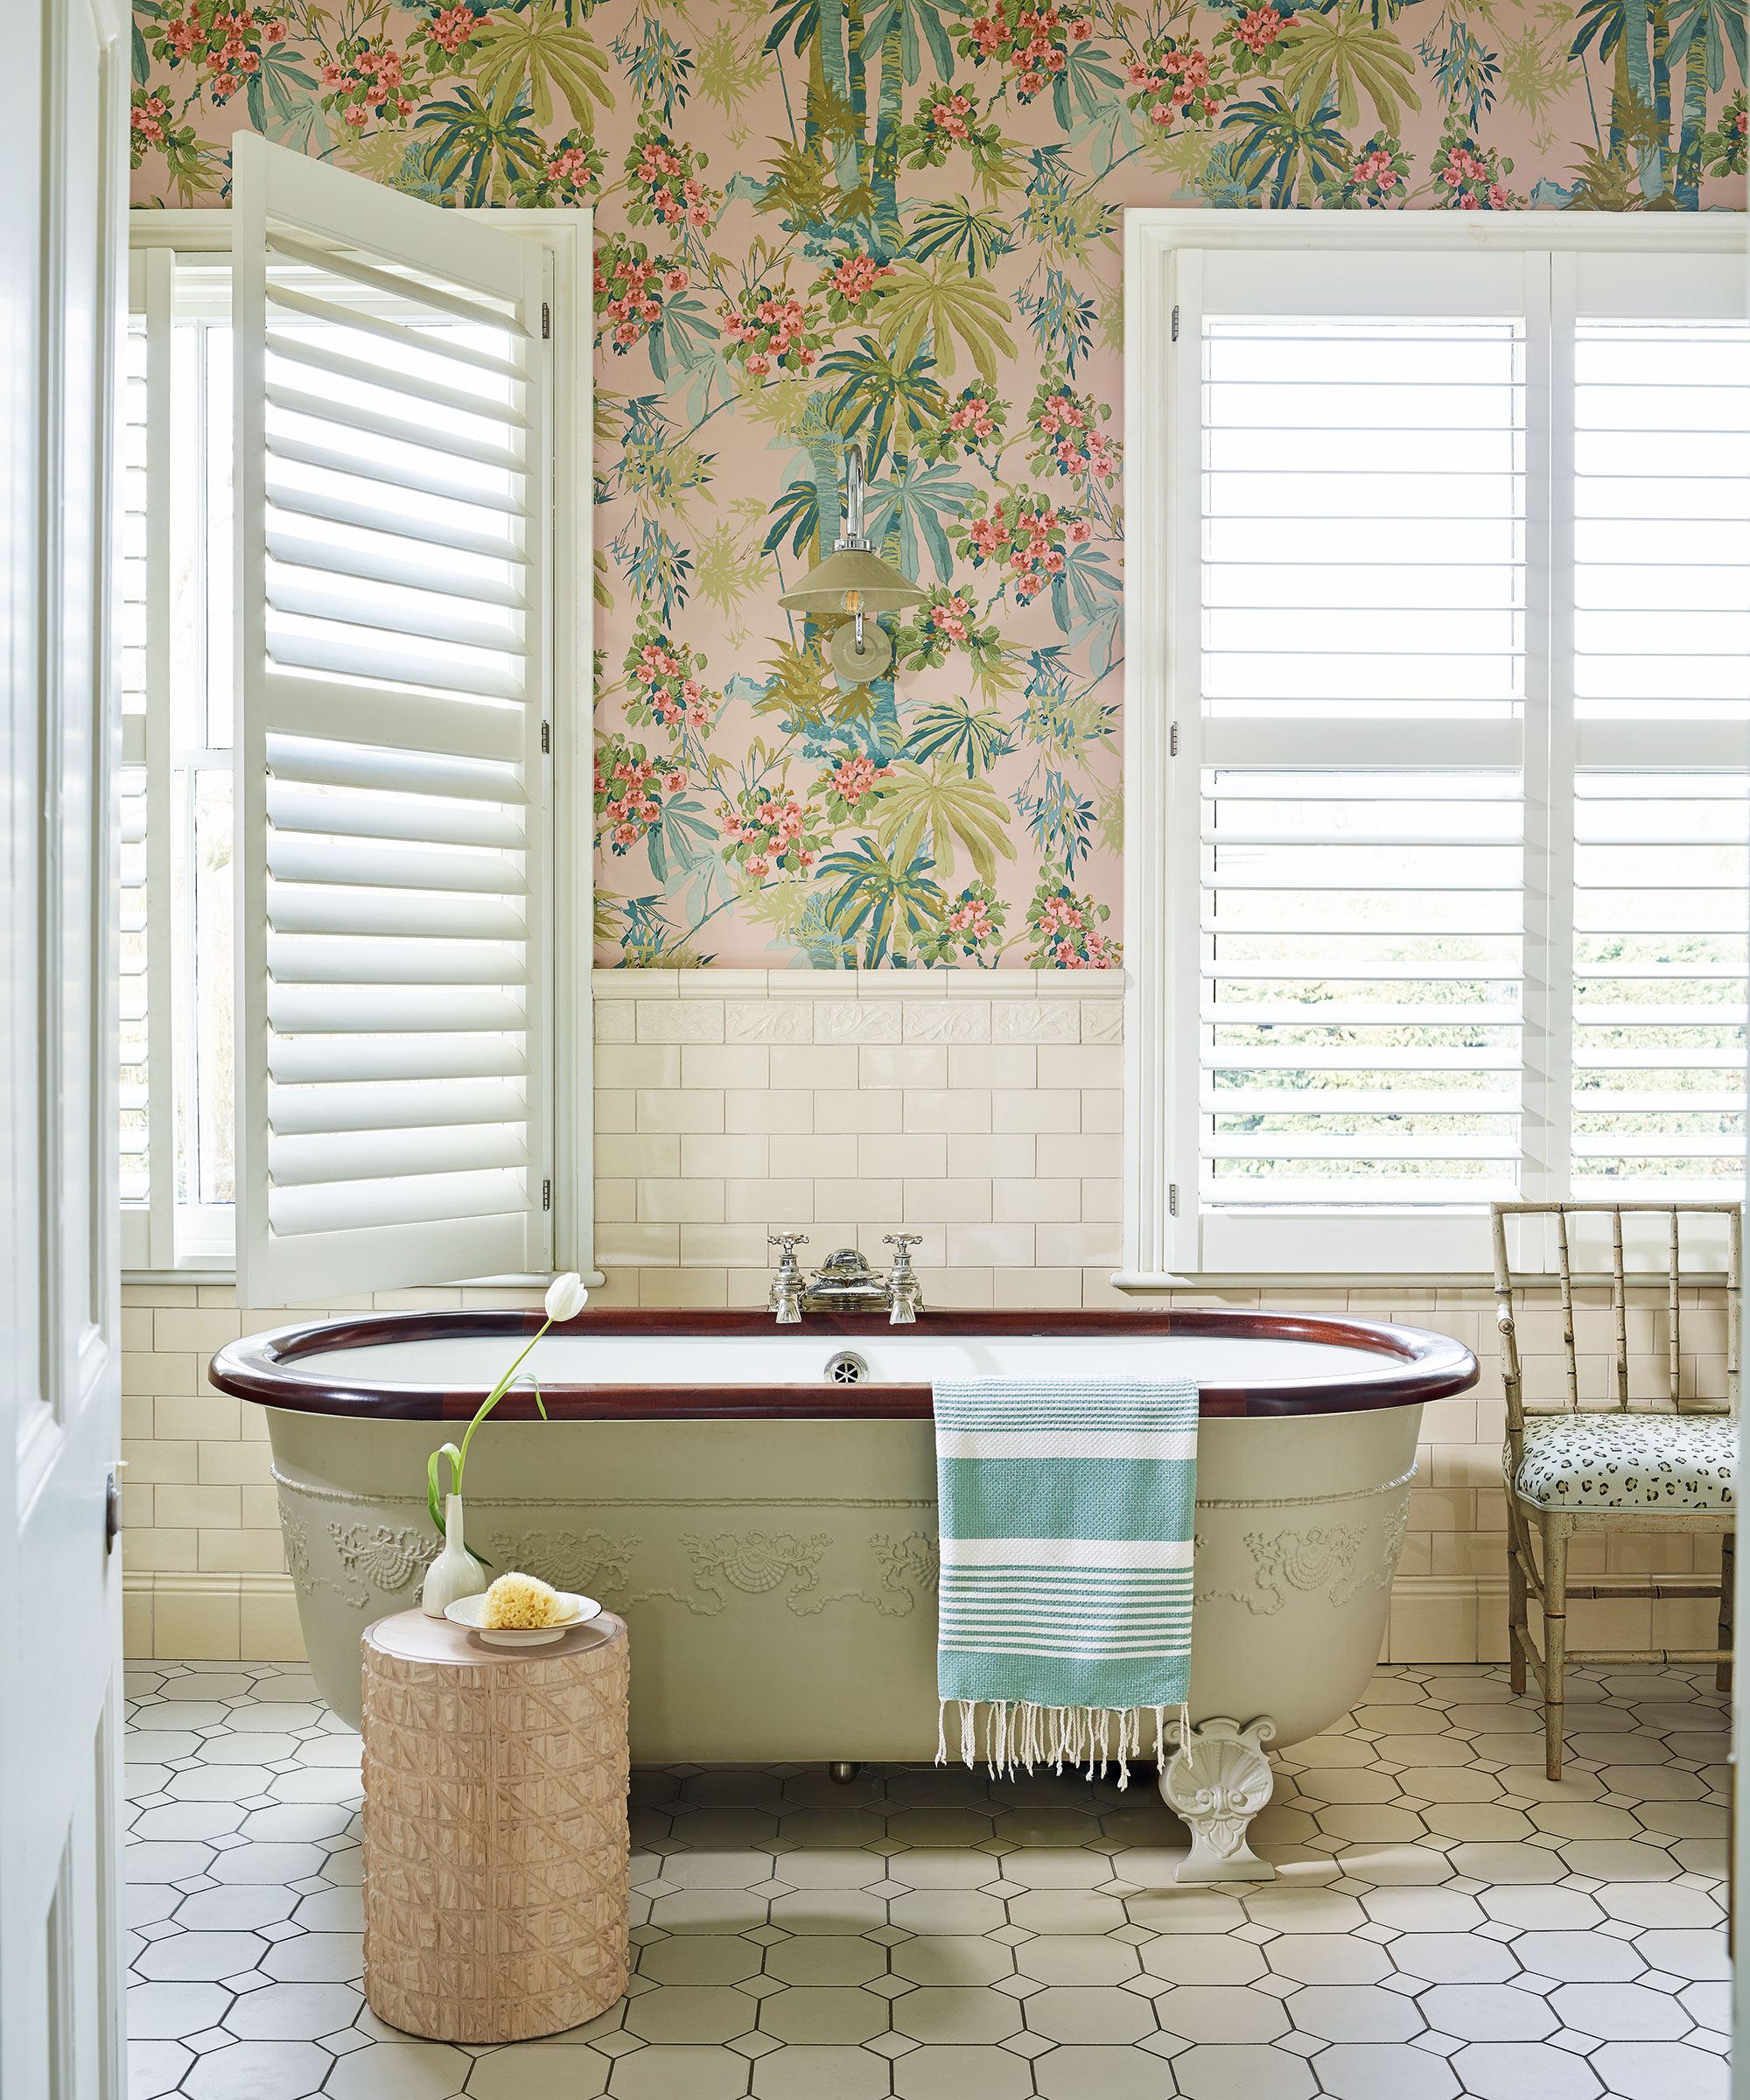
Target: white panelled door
[[63, 118], [394, 519]]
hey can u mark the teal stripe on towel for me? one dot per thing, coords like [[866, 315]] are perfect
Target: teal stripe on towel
[[1086, 1607]]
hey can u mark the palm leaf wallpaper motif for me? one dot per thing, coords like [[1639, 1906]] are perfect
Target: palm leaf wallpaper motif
[[895, 222]]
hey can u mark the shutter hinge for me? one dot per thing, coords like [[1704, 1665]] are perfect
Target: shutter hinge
[[1173, 742], [546, 1195], [546, 737], [1172, 1199], [547, 321], [1175, 323]]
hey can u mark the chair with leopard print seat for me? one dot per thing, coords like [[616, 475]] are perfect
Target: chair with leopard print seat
[[1637, 1463]]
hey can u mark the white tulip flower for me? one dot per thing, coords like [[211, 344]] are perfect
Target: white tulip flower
[[566, 1296]]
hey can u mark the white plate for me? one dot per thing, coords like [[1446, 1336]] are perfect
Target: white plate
[[466, 1611]]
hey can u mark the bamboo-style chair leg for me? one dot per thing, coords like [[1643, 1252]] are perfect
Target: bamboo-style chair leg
[[1518, 1623], [1555, 1637], [1728, 1554]]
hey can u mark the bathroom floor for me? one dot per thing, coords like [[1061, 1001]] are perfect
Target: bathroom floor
[[1445, 1922]]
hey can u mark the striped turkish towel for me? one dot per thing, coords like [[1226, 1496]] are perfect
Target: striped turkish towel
[[1066, 1507]]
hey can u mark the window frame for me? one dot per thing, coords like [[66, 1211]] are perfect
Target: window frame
[[1168, 1237], [150, 1251]]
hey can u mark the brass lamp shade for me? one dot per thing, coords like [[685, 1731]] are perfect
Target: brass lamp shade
[[849, 588], [824, 594]]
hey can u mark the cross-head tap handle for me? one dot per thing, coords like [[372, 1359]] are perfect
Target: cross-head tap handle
[[905, 1242], [789, 1241]]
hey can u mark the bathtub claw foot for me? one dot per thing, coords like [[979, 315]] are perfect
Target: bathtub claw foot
[[842, 1771], [1217, 1780]]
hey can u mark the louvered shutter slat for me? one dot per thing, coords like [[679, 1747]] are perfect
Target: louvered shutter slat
[[383, 563], [1363, 543], [336, 1064], [294, 909], [394, 429], [405, 288], [360, 320], [391, 848], [315, 600], [336, 509], [407, 472], [297, 351], [410, 1105], [424, 725]]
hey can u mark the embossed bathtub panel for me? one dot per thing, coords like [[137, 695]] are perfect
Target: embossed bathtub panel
[[755, 1562], [778, 1577]]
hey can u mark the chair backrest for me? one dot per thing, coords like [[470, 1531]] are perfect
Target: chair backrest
[[1511, 1371]]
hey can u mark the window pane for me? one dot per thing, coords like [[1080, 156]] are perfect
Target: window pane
[[1660, 867], [1661, 534], [214, 1100], [1363, 518], [135, 1181], [1362, 987], [136, 1178]]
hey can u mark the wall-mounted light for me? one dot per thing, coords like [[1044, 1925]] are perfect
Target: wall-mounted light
[[851, 586]]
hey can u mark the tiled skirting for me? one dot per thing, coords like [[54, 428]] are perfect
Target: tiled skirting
[[981, 1110]]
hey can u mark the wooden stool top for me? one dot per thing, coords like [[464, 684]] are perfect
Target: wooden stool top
[[411, 1637]]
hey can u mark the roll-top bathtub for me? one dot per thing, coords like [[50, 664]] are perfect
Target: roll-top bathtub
[[760, 1506]]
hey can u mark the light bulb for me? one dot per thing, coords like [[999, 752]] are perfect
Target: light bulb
[[853, 605]]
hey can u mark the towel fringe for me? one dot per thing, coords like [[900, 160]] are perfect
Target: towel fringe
[[1008, 1736]]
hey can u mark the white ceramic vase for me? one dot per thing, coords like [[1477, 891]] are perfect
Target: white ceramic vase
[[455, 1572]]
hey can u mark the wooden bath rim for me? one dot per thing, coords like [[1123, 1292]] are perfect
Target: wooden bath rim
[[1422, 1366]]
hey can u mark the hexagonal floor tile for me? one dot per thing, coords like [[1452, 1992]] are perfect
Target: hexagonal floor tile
[[1351, 2012], [1214, 2013], [293, 2011], [1093, 2073], [1497, 2070], [821, 2074], [1089, 2013], [962, 2074], [943, 2013], [539, 2070], [821, 1960], [665, 2074], [1214, 2072], [825, 2014], [1388, 2070], [954, 1962], [1080, 1958], [264, 2070], [1619, 2012], [691, 2013]]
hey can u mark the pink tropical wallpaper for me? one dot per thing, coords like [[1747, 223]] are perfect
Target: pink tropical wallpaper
[[895, 222]]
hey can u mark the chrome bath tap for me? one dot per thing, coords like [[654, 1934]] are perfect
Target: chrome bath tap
[[845, 1283], [904, 1293], [785, 1298]]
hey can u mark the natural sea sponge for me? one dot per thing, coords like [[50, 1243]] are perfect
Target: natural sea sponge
[[521, 1601]]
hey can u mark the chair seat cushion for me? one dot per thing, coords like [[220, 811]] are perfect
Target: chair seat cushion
[[1668, 1462]]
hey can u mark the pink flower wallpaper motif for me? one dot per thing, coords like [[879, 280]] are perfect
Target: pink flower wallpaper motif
[[895, 223]]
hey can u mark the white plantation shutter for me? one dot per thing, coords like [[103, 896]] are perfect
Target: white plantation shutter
[[1662, 676], [394, 508], [1440, 849]]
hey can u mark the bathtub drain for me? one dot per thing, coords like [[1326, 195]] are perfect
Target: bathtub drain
[[846, 1369]]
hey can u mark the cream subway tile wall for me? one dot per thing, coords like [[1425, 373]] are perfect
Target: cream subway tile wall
[[981, 1112]]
